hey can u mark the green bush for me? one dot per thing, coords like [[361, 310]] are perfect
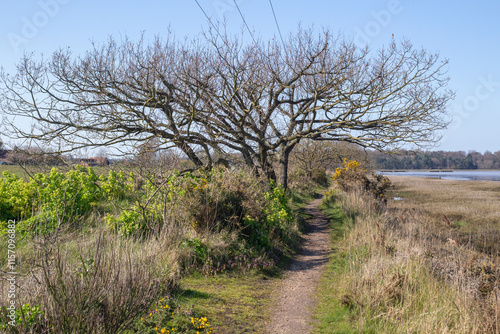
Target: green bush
[[275, 223], [199, 248], [319, 176], [28, 319], [116, 186], [17, 197], [47, 201]]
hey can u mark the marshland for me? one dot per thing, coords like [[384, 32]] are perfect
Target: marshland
[[427, 262]]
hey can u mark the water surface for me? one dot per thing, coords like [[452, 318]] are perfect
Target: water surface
[[475, 175]]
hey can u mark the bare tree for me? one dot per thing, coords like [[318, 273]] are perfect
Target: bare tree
[[266, 98], [310, 155], [219, 95], [116, 94]]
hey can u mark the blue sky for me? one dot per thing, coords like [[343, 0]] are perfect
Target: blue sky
[[465, 32]]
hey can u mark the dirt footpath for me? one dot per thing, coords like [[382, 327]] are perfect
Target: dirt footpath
[[297, 297]]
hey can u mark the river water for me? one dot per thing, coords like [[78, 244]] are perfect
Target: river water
[[476, 175]]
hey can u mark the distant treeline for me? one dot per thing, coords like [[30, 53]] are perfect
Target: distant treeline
[[436, 160]]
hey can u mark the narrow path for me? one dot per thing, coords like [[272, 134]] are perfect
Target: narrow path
[[297, 296]]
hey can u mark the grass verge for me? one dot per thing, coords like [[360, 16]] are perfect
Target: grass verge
[[391, 272], [331, 315], [234, 304]]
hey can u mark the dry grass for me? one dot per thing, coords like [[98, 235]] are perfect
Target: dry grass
[[465, 211], [476, 202], [93, 284], [405, 269]]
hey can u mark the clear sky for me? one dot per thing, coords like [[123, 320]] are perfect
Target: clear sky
[[465, 32]]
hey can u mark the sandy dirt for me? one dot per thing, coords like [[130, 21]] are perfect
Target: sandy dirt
[[297, 295]]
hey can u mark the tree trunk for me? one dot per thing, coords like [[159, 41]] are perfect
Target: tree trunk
[[266, 167], [283, 165], [190, 153]]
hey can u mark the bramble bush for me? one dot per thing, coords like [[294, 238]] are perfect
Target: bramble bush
[[210, 201], [258, 212]]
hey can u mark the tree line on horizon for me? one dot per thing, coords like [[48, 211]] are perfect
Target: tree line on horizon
[[435, 160]]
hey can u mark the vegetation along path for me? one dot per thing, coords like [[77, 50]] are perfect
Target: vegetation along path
[[296, 299]]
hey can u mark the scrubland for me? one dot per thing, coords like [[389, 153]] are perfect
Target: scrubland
[[108, 252]]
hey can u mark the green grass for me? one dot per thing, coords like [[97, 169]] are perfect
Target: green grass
[[233, 304], [331, 314], [14, 169]]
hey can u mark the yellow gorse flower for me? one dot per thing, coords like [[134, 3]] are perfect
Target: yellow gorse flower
[[346, 166]]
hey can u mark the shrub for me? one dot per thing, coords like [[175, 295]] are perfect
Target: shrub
[[28, 319], [104, 293], [17, 199], [127, 224], [319, 176], [219, 199], [48, 201], [351, 177], [116, 186], [208, 259], [275, 226]]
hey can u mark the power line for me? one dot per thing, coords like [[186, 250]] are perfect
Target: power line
[[244, 21], [209, 20], [277, 25]]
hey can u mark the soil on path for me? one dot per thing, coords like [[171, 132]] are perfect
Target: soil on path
[[297, 297]]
